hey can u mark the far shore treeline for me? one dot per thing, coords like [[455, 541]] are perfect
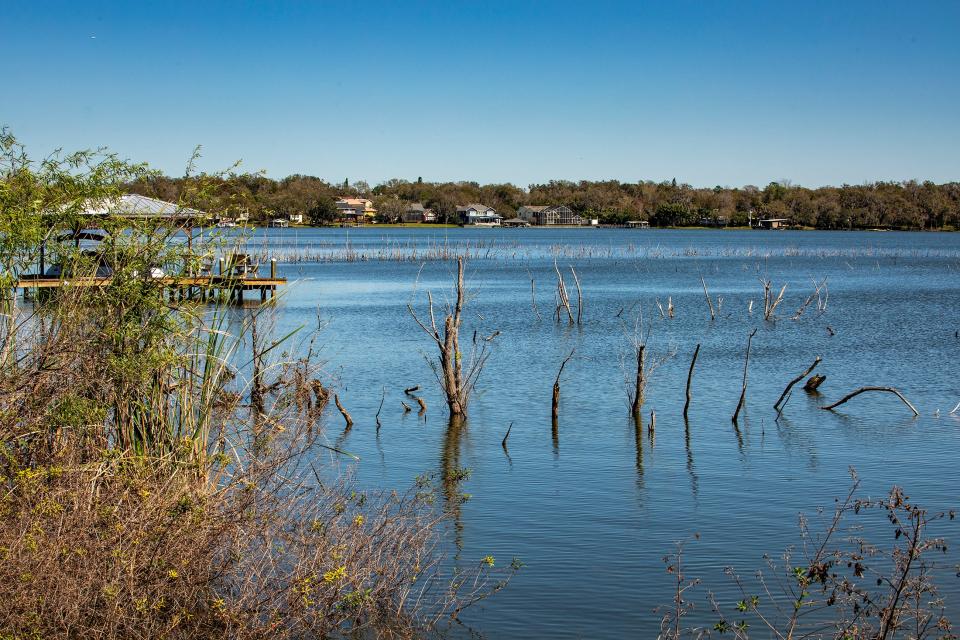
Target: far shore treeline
[[893, 205]]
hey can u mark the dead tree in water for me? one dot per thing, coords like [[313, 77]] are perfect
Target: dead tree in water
[[641, 366], [638, 388], [576, 281], [743, 391], [770, 303], [456, 379], [555, 407], [693, 362], [563, 299]]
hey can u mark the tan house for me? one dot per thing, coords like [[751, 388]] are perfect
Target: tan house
[[355, 209]]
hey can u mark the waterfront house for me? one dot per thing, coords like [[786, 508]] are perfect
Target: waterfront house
[[544, 215], [478, 214], [713, 221], [414, 212], [638, 224], [280, 223], [295, 218], [417, 213], [355, 209], [773, 223]]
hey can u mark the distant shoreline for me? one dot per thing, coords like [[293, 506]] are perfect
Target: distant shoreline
[[534, 228]]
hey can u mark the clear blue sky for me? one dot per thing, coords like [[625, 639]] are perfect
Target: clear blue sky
[[726, 93]]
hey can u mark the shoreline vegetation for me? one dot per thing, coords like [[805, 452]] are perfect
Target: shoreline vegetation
[[904, 205], [164, 466]]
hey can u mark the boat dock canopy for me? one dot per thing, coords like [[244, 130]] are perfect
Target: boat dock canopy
[[139, 207]]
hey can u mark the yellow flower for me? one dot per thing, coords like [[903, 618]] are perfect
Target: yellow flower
[[358, 520], [488, 561], [173, 573], [335, 574]]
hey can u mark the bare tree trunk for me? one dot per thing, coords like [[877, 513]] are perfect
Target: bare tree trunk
[[743, 391], [639, 384], [693, 361], [555, 407]]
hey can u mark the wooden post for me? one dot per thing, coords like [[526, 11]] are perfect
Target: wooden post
[[273, 268]]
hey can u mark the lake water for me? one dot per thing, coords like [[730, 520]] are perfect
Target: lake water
[[593, 512]]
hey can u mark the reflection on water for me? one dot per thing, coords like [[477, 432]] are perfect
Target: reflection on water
[[453, 475], [592, 524]]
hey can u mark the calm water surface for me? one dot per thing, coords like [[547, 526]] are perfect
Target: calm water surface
[[592, 513]]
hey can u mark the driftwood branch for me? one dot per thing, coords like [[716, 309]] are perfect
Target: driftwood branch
[[865, 389], [781, 399], [743, 391], [693, 361]]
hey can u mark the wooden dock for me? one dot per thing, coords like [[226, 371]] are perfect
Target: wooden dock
[[179, 287]]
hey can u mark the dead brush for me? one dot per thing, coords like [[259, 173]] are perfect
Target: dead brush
[[835, 583]]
